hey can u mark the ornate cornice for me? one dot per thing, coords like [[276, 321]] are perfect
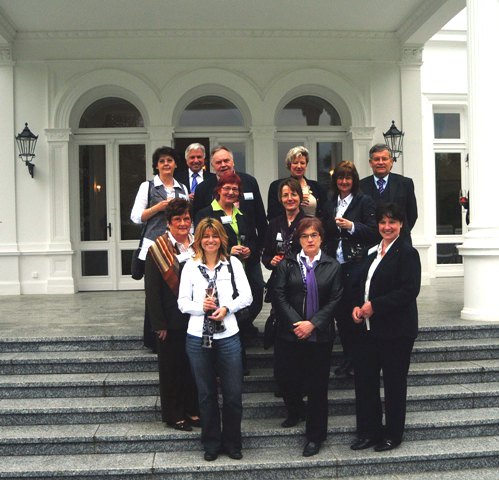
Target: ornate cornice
[[5, 54], [57, 134], [268, 132], [412, 55], [206, 33], [7, 30], [362, 133]]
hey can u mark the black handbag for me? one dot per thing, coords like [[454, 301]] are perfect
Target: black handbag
[[270, 331], [138, 266], [244, 315]]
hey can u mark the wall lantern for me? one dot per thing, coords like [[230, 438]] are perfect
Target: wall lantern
[[394, 138], [26, 143]]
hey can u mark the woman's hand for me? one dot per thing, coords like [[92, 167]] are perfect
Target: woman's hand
[[343, 223], [303, 329], [209, 304], [240, 251], [276, 259], [162, 334], [357, 315], [151, 211], [219, 314]]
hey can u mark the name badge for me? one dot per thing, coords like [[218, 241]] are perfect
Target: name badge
[[278, 237], [248, 196], [183, 257], [226, 219]]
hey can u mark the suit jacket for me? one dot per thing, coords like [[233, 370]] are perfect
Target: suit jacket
[[399, 190], [275, 208], [244, 224], [252, 207], [361, 212], [393, 290], [183, 177]]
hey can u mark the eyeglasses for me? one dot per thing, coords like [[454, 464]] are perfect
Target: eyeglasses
[[313, 236], [230, 189]]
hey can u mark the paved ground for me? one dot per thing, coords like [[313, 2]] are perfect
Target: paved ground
[[121, 313]]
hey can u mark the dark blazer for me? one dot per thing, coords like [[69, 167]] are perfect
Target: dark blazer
[[183, 177], [274, 206], [245, 226], [394, 288], [161, 301], [288, 299], [361, 212], [399, 190], [253, 208]]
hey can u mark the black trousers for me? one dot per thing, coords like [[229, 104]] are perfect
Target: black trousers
[[177, 389], [347, 329], [303, 367], [370, 357]]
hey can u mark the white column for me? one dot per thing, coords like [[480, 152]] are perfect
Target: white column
[[362, 140], [60, 252], [9, 254], [264, 166], [480, 249]]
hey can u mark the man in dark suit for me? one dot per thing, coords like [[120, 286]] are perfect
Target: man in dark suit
[[251, 204], [195, 155], [384, 186]]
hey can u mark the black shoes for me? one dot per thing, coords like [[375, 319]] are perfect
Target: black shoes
[[291, 422], [311, 448], [386, 445], [183, 426], [362, 443], [234, 454], [210, 456]]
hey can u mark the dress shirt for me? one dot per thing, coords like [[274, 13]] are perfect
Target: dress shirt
[[371, 271], [200, 177], [192, 294], [341, 208], [385, 181]]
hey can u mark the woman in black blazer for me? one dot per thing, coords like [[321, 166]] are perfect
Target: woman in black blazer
[[307, 289], [313, 194], [350, 225], [387, 312]]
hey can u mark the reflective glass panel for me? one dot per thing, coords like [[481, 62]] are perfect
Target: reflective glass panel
[[448, 187], [93, 203], [239, 153], [447, 253], [308, 111], [211, 111], [447, 125], [126, 262], [132, 168], [329, 154], [111, 112], [94, 263]]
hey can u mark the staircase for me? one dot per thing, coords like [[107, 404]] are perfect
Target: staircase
[[88, 408]]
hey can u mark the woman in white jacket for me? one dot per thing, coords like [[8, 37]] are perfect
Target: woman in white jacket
[[213, 344]]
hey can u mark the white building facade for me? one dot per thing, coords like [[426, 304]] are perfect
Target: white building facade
[[103, 99]]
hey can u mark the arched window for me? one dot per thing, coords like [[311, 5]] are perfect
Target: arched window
[[209, 111], [111, 112], [308, 111]]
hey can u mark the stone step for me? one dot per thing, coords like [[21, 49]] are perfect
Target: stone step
[[134, 342], [20, 363], [259, 380], [257, 433], [475, 474], [263, 463], [256, 405]]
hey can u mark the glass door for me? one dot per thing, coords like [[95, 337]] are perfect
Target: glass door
[[109, 176]]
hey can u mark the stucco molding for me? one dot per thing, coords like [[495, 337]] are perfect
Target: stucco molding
[[205, 33], [412, 55], [57, 134], [362, 133], [5, 55]]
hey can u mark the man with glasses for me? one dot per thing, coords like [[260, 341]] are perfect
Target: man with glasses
[[386, 187]]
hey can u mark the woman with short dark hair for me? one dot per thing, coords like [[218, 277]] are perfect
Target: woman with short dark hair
[[387, 313]]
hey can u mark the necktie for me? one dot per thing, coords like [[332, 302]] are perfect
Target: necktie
[[381, 185], [194, 182]]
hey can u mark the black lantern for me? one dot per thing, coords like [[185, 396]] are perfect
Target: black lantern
[[394, 138], [26, 143]]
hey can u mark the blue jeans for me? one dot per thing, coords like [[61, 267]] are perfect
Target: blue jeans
[[224, 361]]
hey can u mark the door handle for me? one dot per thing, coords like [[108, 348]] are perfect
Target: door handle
[[109, 229]]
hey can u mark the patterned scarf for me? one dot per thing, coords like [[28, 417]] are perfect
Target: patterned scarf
[[164, 255]]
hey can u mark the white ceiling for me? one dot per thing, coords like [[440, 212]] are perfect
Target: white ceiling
[[404, 18]]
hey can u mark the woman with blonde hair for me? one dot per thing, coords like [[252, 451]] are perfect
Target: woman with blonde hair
[[208, 293]]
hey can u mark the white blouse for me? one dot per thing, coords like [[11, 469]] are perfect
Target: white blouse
[[192, 294]]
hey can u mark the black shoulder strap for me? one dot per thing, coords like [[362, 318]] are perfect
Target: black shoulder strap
[[235, 292]]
